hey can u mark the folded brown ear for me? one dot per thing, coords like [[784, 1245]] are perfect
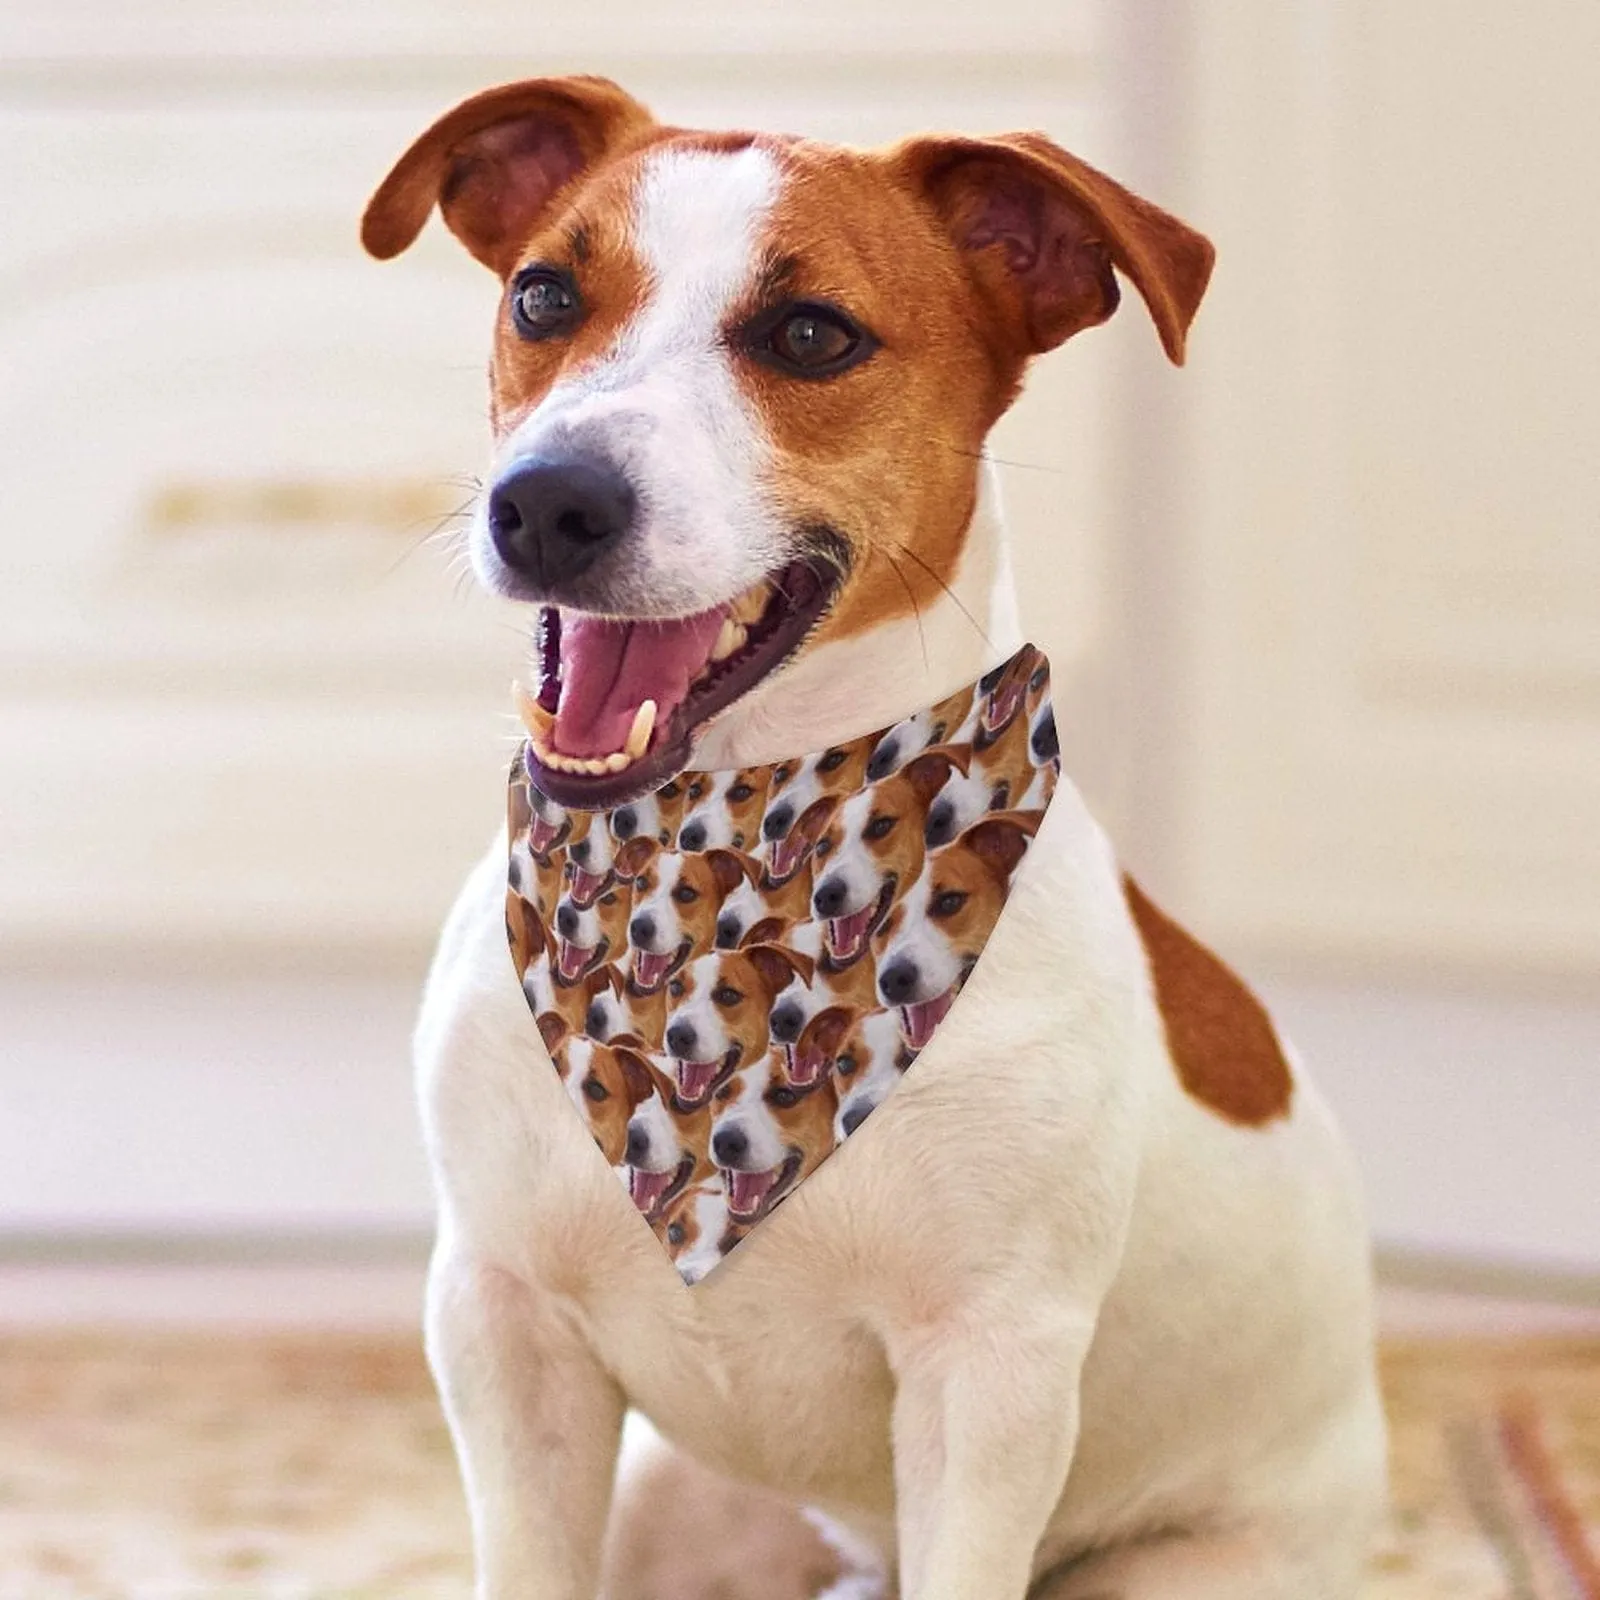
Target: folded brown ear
[[778, 966], [1043, 231], [1000, 840], [494, 164]]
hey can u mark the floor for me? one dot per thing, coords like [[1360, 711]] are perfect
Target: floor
[[187, 1432]]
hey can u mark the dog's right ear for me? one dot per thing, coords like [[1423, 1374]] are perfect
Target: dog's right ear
[[495, 163]]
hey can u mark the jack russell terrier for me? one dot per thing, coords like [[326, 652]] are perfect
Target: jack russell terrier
[[1084, 1310]]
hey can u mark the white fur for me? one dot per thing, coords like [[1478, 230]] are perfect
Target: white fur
[[1046, 1306]]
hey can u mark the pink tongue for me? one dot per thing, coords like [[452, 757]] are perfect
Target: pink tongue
[[746, 1190], [648, 1188], [694, 1078], [610, 668], [804, 1066], [573, 958], [921, 1019], [648, 969], [845, 933]]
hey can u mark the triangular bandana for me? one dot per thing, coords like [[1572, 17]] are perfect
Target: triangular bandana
[[732, 973]]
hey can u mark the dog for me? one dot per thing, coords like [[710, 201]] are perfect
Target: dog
[[769, 1132], [727, 812], [720, 1011], [1084, 1308]]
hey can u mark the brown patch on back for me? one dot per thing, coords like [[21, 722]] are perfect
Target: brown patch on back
[[1220, 1037]]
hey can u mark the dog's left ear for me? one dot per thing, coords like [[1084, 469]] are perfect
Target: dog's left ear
[[1000, 840], [778, 966], [494, 164], [1042, 231]]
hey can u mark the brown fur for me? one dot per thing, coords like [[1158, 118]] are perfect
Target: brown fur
[[1221, 1039]]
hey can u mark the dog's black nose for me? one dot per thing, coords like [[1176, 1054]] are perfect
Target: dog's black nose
[[642, 930], [728, 931], [777, 822], [881, 762], [550, 520], [567, 920], [692, 836], [940, 827], [897, 983], [579, 852], [855, 1116], [638, 1143], [624, 822], [595, 1020], [681, 1039], [830, 896], [786, 1022], [730, 1146], [1045, 742]]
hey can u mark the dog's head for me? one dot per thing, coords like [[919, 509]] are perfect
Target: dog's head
[[716, 357], [867, 1066], [720, 1006], [606, 1082], [676, 901], [937, 931], [873, 848], [768, 1132], [726, 810], [588, 936]]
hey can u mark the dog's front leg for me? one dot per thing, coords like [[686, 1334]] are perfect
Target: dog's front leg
[[985, 1424], [537, 1425]]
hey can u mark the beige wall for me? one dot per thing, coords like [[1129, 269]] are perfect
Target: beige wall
[[1324, 604]]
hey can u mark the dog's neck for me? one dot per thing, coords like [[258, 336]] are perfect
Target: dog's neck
[[842, 690]]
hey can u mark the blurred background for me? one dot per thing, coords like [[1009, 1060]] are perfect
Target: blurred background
[[1324, 606]]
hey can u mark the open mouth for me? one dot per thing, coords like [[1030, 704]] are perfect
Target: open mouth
[[1001, 706], [587, 886], [620, 699], [848, 936], [751, 1195], [918, 1020], [573, 961], [697, 1080], [806, 1064], [653, 1192], [650, 971], [543, 836]]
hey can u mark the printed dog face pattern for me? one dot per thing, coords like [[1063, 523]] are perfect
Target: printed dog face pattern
[[729, 998]]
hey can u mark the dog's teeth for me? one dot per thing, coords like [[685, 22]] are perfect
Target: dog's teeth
[[533, 716], [644, 722], [615, 763], [749, 606], [731, 638], [595, 764]]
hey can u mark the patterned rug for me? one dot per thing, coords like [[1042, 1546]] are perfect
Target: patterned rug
[[150, 1467]]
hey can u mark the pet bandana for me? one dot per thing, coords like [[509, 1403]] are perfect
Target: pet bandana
[[732, 973]]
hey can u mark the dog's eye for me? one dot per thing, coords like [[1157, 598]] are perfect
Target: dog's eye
[[726, 995], [781, 1097], [947, 902], [833, 761], [880, 827], [675, 988], [740, 792], [696, 789], [609, 899], [824, 845], [595, 1090], [544, 303], [1039, 679], [675, 1233], [847, 1066], [670, 791], [810, 340], [780, 776], [724, 1093], [686, 894]]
